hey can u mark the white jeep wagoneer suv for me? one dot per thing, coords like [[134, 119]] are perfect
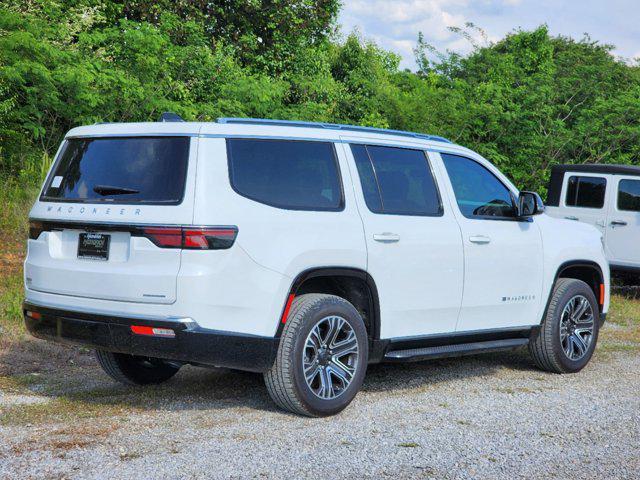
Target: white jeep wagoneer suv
[[302, 251]]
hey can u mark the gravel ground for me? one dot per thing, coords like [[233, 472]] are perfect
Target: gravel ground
[[491, 416]]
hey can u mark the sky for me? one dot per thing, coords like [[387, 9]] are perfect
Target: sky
[[394, 24]]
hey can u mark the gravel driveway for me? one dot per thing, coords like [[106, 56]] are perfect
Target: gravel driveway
[[485, 416]]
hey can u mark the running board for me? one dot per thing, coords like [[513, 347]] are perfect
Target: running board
[[417, 354]]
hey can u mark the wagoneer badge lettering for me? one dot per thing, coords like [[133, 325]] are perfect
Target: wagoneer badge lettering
[[94, 211]]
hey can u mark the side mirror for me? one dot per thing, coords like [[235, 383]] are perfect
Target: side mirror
[[529, 204]]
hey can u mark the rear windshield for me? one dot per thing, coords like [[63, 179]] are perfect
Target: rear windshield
[[120, 170]]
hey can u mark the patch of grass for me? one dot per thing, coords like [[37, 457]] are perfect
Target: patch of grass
[[61, 409], [624, 311], [409, 445], [621, 332], [16, 201], [11, 296], [126, 456], [17, 383]]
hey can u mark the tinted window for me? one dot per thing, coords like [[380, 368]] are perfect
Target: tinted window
[[120, 170], [629, 195], [287, 174], [396, 180], [478, 192], [586, 192]]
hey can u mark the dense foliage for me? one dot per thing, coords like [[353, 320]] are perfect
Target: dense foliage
[[525, 102]]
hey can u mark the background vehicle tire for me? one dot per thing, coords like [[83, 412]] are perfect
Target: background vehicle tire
[[134, 370], [322, 357], [569, 332]]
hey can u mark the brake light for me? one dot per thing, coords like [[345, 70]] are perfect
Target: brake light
[[209, 238], [35, 229], [192, 238], [166, 237], [34, 315]]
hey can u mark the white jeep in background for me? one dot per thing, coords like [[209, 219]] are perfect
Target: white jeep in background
[[607, 197], [301, 251]]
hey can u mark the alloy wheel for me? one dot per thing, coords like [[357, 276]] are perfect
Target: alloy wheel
[[330, 357], [576, 327]]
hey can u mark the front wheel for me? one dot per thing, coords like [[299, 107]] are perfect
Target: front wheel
[[568, 335], [322, 357]]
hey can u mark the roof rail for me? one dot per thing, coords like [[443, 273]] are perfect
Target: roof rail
[[331, 126]]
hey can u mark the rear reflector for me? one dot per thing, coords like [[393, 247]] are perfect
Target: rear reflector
[[34, 315], [602, 294], [192, 238], [153, 331], [287, 308]]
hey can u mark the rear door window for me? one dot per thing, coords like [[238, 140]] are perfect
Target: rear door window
[[586, 192], [146, 170], [397, 180], [629, 195], [294, 175]]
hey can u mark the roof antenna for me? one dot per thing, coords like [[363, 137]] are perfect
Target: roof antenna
[[170, 117]]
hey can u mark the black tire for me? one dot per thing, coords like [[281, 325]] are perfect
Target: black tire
[[286, 381], [134, 370], [546, 346]]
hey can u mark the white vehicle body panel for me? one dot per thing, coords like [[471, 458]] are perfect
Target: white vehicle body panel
[[622, 239], [426, 253], [503, 266]]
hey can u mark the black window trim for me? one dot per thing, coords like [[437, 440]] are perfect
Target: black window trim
[[637, 180], [93, 201], [339, 208], [486, 217], [579, 177], [440, 212]]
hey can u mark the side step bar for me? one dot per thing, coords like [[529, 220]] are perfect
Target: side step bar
[[417, 354]]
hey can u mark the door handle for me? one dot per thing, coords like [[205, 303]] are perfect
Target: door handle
[[619, 223], [386, 237], [571, 217], [479, 239]]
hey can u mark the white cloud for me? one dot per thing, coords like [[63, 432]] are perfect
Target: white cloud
[[394, 24]]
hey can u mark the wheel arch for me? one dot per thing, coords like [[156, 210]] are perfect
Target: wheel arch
[[588, 271], [353, 284]]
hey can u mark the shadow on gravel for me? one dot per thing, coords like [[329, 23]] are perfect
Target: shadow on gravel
[[408, 376], [70, 375]]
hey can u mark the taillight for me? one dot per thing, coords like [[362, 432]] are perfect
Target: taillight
[[35, 229], [165, 237], [193, 238], [209, 238]]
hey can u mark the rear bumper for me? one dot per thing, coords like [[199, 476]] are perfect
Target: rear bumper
[[191, 343]]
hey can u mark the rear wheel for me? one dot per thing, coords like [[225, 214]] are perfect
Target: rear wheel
[[322, 357], [135, 370], [568, 335]]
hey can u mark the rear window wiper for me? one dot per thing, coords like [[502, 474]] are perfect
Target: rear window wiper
[[111, 190]]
